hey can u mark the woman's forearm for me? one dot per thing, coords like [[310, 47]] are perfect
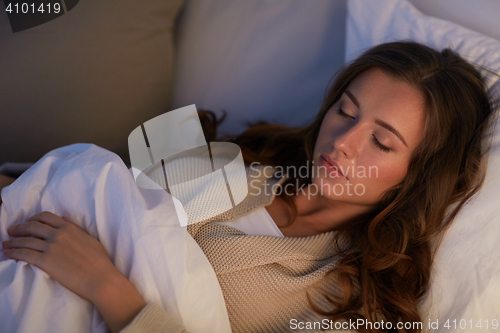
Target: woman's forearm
[[77, 261], [118, 301]]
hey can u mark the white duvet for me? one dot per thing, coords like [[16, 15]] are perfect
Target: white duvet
[[139, 229]]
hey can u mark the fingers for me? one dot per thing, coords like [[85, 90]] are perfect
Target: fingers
[[40, 225], [31, 228], [27, 243], [48, 218], [27, 255]]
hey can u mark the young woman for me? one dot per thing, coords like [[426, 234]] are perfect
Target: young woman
[[392, 156]]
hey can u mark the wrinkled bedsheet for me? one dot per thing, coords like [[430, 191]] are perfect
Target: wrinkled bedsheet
[[138, 228]]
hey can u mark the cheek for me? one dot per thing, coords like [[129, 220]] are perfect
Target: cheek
[[390, 173], [326, 134], [323, 141]]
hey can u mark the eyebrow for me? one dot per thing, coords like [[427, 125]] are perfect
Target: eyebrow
[[390, 128], [377, 121], [352, 98]]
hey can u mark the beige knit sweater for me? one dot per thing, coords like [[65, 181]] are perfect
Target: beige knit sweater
[[264, 279]]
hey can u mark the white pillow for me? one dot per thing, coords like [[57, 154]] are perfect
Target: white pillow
[[478, 15], [465, 282], [258, 59]]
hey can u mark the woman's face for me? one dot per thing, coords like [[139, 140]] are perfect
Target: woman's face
[[370, 133]]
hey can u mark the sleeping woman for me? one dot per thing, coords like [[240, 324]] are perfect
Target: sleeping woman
[[346, 233]]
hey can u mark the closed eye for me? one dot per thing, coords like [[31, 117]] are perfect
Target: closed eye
[[341, 113], [379, 145]]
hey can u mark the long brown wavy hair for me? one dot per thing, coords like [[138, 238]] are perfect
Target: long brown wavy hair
[[386, 268]]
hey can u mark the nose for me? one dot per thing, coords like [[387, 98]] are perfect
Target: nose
[[347, 141]]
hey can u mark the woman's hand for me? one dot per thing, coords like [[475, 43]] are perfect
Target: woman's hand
[[77, 261], [63, 250]]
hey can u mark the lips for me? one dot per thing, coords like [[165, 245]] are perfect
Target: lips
[[332, 165]]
